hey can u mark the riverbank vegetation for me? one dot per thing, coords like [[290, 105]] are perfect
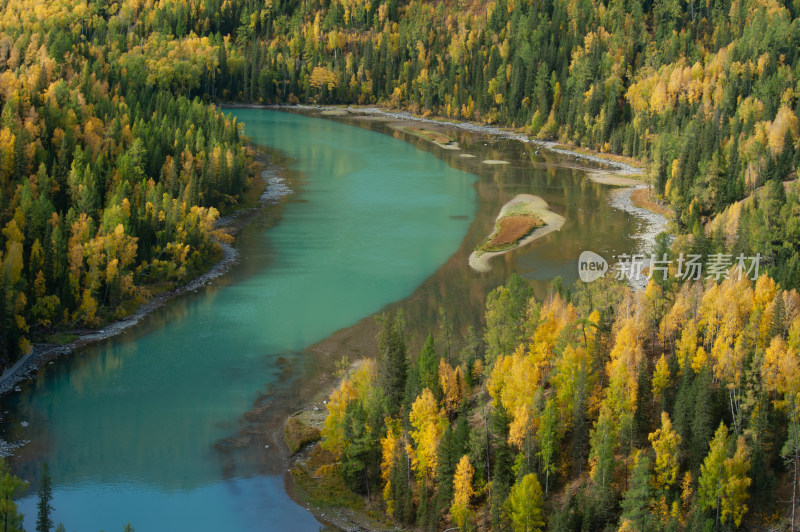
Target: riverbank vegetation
[[644, 198], [598, 408]]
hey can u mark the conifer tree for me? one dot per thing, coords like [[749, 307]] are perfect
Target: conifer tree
[[44, 507]]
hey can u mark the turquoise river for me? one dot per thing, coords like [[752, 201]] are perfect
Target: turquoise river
[[140, 428]]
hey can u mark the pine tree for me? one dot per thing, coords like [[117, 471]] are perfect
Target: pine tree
[[43, 520], [502, 472], [447, 460], [392, 363], [428, 367], [684, 406], [636, 501], [703, 419]]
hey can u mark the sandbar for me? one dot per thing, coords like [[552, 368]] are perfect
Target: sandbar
[[521, 204]]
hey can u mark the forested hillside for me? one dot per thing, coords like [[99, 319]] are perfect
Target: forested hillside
[[675, 408], [705, 92], [97, 117], [111, 177]]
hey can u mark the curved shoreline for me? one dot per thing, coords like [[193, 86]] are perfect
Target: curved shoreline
[[619, 167], [616, 167], [479, 260], [654, 223], [41, 354], [349, 521]]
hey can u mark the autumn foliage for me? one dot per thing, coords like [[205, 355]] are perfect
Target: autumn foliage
[[604, 410]]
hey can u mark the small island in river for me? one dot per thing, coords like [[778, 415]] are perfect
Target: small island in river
[[521, 221]]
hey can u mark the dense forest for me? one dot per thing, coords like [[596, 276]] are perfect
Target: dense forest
[[109, 183], [674, 408], [114, 159]]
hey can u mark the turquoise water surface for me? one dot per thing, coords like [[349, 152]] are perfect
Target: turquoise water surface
[[129, 427]]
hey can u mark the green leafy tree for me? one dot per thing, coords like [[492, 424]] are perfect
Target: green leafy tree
[[505, 314], [724, 481], [603, 440], [548, 441], [11, 487], [525, 501], [712, 472]]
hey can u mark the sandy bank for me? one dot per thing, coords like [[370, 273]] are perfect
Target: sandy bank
[[609, 178], [521, 204], [434, 137]]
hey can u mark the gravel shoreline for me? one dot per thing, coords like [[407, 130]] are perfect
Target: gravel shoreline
[[653, 224]]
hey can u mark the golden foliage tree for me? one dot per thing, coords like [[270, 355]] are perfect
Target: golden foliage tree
[[462, 492], [666, 444]]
